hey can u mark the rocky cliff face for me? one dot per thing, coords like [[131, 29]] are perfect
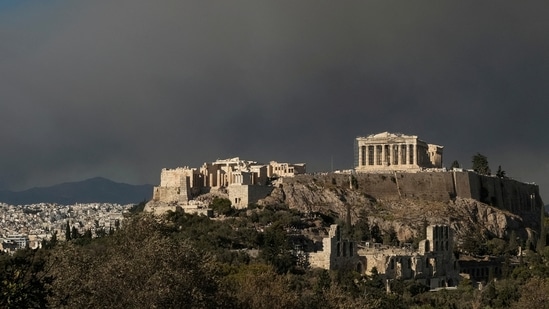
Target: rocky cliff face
[[347, 198]]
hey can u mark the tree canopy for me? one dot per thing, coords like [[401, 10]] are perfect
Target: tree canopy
[[480, 164], [500, 173], [244, 260]]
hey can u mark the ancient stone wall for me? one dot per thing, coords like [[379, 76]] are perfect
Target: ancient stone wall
[[173, 177], [174, 186], [337, 253], [171, 194], [243, 195], [503, 193], [432, 186], [433, 264]]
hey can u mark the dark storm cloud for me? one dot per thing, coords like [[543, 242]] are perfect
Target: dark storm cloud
[[123, 88]]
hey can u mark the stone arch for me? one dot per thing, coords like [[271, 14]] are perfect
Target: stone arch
[[427, 245]]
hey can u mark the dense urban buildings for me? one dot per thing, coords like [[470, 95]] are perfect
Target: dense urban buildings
[[28, 225]]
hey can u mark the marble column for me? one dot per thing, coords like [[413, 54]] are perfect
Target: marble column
[[415, 154]]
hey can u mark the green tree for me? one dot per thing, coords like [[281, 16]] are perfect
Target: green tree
[[473, 242], [275, 249], [139, 266], [480, 164], [506, 293], [24, 280], [222, 206], [390, 237], [259, 286], [323, 283], [48, 244], [85, 238], [513, 245], [361, 230], [534, 294], [455, 164], [375, 279], [354, 182], [376, 233], [75, 234], [100, 232], [496, 246], [500, 173], [68, 231]]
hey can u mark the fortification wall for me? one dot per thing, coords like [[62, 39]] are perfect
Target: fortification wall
[[504, 193], [435, 186], [507, 194], [173, 177], [170, 194]]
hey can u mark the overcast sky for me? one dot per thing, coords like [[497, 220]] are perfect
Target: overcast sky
[[123, 88]]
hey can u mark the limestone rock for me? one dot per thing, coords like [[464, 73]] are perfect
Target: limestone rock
[[406, 215]]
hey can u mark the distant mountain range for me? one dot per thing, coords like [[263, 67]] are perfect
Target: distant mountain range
[[94, 190]]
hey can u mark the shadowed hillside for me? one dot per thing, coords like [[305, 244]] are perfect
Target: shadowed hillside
[[405, 202]]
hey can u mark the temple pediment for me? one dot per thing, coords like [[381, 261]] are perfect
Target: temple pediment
[[390, 135]]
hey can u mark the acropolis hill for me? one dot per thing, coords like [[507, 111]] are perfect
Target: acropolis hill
[[398, 180]]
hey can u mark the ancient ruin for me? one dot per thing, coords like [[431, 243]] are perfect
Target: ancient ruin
[[244, 182], [395, 152], [433, 264], [337, 253]]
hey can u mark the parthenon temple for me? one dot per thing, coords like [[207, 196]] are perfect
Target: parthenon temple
[[395, 152]]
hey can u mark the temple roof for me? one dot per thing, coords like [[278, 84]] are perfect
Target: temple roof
[[389, 135]]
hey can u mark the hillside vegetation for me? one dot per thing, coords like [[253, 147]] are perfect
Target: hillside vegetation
[[245, 260]]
